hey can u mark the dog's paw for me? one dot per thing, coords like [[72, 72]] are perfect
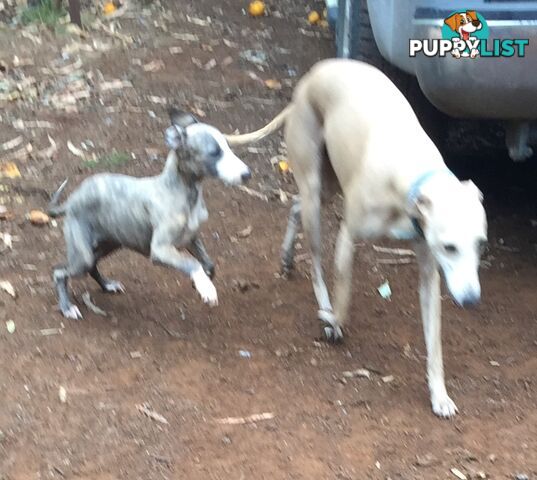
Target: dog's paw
[[72, 312], [113, 286], [456, 53], [443, 406], [331, 330], [205, 288], [209, 270], [474, 53]]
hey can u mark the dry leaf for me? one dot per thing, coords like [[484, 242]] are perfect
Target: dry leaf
[[273, 84], [37, 217], [11, 144], [146, 410], [256, 417], [9, 170], [8, 288], [74, 150], [5, 214], [245, 233], [50, 151], [154, 66]]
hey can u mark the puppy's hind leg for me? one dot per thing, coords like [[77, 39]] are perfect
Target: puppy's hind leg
[[288, 245], [107, 285], [79, 261]]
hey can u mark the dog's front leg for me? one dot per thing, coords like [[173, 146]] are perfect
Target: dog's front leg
[[430, 303], [166, 254], [197, 249]]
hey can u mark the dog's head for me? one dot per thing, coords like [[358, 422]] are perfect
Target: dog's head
[[204, 148], [452, 218], [464, 22]]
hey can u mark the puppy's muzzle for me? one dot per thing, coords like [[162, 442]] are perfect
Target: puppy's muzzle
[[246, 176], [476, 23], [470, 300]]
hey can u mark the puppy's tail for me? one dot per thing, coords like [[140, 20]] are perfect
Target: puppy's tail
[[55, 210], [252, 137]]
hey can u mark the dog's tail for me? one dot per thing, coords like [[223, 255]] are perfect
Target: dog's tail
[[252, 137], [55, 210]]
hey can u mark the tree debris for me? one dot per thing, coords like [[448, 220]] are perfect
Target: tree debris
[[148, 412], [256, 417]]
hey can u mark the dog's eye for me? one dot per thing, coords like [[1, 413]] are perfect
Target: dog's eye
[[450, 248], [215, 152]]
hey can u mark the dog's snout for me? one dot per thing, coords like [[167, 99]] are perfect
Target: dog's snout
[[471, 300], [476, 23], [246, 176]]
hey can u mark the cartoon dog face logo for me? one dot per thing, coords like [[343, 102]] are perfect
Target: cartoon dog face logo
[[464, 24]]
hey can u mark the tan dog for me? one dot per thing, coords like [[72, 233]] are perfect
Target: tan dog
[[464, 24], [347, 117]]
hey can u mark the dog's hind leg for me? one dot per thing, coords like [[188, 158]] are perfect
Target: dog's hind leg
[[430, 303], [288, 245], [79, 261], [306, 154], [107, 285]]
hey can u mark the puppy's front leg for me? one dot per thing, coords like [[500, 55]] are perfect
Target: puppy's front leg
[[197, 249], [164, 253], [442, 405]]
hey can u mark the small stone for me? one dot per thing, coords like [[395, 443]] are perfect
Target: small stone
[[114, 335], [136, 354], [521, 476], [226, 440], [314, 362]]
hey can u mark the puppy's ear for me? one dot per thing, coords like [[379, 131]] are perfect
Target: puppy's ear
[[472, 14], [175, 137], [471, 186], [181, 118], [453, 22], [420, 207]]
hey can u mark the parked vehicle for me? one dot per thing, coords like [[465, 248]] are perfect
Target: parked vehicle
[[486, 96]]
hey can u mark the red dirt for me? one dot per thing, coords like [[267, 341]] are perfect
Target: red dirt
[[189, 369]]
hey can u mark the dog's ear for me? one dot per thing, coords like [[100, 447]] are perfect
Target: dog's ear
[[453, 22], [420, 207], [471, 186], [175, 137], [180, 118], [472, 14]]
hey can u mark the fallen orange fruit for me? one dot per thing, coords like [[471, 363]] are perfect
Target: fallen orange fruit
[[256, 8], [314, 17], [37, 217], [109, 8]]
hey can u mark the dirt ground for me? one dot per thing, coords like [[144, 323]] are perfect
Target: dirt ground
[[160, 347]]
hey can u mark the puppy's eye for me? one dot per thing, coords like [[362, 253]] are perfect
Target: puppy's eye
[[450, 248], [215, 152]]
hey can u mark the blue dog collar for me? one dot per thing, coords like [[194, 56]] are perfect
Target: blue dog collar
[[414, 192], [415, 188]]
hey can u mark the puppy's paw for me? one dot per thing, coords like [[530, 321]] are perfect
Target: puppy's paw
[[72, 312], [205, 288], [456, 53], [331, 330], [474, 53], [209, 270], [443, 406], [113, 286]]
